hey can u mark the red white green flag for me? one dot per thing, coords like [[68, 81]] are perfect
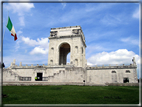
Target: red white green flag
[[11, 28]]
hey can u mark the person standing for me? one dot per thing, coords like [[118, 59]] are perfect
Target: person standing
[[36, 78]]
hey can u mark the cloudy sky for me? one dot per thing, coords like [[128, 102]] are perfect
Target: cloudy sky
[[111, 31]]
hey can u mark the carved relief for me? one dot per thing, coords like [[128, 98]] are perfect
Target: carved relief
[[53, 33], [76, 31]]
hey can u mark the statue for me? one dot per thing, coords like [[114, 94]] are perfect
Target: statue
[[133, 60]]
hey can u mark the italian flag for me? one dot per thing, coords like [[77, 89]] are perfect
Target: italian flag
[[11, 28]]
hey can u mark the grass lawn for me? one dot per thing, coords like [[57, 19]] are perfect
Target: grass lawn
[[71, 94]]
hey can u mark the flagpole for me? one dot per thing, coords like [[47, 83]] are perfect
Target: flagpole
[[1, 70], [5, 27], [4, 32]]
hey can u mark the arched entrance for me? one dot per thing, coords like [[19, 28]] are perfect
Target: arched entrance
[[64, 49]]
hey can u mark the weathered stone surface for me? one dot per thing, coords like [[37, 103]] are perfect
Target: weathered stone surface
[[66, 42]]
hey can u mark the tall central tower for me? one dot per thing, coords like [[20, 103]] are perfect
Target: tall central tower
[[66, 40]]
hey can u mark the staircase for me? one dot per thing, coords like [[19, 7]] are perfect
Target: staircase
[[70, 74], [9, 75], [56, 76]]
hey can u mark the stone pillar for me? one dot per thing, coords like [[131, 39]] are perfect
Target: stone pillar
[[11, 63], [20, 63], [14, 61]]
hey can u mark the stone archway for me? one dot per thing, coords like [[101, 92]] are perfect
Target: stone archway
[[64, 49]]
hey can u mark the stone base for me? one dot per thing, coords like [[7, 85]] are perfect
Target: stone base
[[122, 84], [40, 83]]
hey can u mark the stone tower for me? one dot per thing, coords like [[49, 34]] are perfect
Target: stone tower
[[66, 40]]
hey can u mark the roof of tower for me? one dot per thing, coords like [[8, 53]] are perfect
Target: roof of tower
[[66, 27], [64, 32]]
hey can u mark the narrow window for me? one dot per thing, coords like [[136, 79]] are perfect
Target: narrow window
[[76, 62], [51, 61], [82, 50], [76, 49], [52, 50]]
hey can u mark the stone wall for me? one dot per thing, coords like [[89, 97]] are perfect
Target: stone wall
[[111, 74], [53, 74], [98, 75], [9, 75]]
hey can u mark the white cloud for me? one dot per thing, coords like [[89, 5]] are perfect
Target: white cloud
[[19, 32], [39, 50], [130, 40], [29, 41], [43, 42], [121, 56], [92, 49], [20, 9], [90, 64], [136, 13], [42, 45]]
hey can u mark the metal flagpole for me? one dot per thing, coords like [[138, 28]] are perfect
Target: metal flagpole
[[5, 27], [4, 32], [1, 53]]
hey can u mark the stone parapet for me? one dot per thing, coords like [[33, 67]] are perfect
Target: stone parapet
[[112, 67], [71, 65], [65, 27], [39, 66]]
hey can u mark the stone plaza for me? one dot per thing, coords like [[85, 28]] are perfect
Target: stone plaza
[[62, 41]]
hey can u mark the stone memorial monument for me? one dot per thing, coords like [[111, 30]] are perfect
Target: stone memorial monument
[[71, 40]]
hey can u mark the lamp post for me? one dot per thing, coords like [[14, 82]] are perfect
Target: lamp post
[[2, 65]]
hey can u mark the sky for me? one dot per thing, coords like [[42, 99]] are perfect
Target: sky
[[111, 31]]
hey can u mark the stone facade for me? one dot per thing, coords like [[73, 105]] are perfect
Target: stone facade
[[58, 71], [65, 40]]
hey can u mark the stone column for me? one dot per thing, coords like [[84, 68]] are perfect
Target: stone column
[[20, 63], [14, 61]]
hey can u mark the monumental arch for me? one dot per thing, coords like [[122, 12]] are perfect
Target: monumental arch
[[62, 41]]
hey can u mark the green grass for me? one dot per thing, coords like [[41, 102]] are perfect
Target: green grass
[[71, 95]]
